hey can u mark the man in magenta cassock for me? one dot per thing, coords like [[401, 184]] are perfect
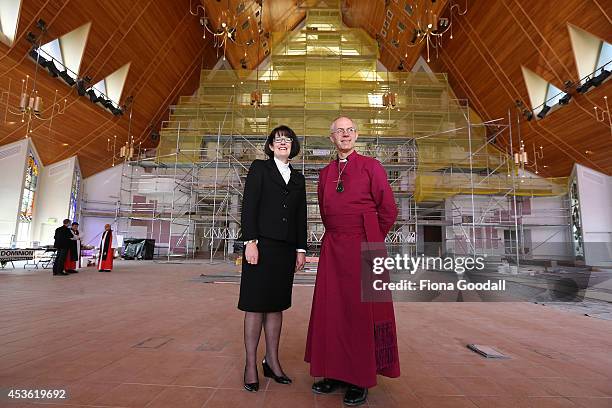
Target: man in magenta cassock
[[350, 341]]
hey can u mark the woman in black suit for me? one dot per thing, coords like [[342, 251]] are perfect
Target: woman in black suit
[[274, 231]]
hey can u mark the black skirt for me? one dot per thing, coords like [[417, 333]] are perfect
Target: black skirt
[[266, 286]]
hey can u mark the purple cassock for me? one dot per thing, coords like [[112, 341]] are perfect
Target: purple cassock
[[351, 340]]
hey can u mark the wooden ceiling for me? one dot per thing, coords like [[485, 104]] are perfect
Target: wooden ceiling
[[484, 62], [491, 43], [164, 42], [381, 19], [253, 39], [161, 39]]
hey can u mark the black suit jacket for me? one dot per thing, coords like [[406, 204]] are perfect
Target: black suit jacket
[[271, 208], [62, 237]]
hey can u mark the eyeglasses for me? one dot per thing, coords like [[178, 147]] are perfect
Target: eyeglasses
[[342, 131], [282, 139]]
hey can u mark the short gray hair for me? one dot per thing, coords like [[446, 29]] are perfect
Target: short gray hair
[[332, 127]]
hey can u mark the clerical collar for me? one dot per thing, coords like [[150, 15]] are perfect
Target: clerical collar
[[352, 155]]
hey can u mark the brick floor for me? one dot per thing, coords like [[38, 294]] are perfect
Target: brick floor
[[147, 335]]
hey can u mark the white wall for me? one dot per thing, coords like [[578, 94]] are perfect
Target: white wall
[[12, 166], [100, 195], [547, 239], [53, 199], [489, 241], [544, 220], [595, 195]]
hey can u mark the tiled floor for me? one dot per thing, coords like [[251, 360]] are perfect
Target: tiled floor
[[146, 335]]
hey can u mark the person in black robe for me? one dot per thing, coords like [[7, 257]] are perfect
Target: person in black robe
[[74, 250], [61, 243]]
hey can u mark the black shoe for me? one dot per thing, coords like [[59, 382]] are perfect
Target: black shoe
[[327, 385], [71, 271], [60, 274], [281, 379], [355, 396], [251, 387], [103, 270]]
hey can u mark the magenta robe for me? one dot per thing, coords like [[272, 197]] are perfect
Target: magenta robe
[[348, 339]]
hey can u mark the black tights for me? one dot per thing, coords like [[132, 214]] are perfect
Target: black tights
[[272, 324]]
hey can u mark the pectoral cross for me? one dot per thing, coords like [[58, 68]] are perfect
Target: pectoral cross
[[339, 185]]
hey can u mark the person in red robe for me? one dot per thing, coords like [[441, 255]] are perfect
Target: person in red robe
[[108, 244], [74, 250], [350, 341]]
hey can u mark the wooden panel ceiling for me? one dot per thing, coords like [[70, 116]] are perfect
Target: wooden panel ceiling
[[394, 43], [245, 15], [161, 39], [484, 64], [484, 60]]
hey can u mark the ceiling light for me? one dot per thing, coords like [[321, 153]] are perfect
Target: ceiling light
[[116, 111], [42, 26], [565, 99], [31, 38], [596, 81], [92, 96], [81, 85], [67, 78], [544, 111], [53, 71], [34, 54], [107, 103], [584, 87]]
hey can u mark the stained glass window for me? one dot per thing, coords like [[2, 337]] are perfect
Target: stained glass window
[[73, 211], [576, 224], [26, 209]]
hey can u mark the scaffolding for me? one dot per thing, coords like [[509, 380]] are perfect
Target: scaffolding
[[187, 194]]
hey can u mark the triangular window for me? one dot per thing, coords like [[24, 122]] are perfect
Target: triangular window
[[541, 92], [9, 18], [67, 50], [591, 53], [111, 87]]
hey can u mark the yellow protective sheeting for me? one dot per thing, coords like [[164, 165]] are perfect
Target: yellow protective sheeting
[[437, 186], [325, 69], [311, 76]]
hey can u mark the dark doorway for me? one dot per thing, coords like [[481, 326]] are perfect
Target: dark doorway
[[432, 238]]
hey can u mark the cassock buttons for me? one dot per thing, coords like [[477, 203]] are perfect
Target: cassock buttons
[[286, 192], [284, 219], [284, 205]]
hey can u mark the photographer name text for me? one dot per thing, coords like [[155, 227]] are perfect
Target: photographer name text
[[425, 284]]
